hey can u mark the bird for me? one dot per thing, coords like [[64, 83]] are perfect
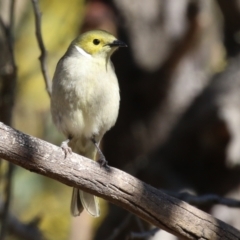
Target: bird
[[85, 102]]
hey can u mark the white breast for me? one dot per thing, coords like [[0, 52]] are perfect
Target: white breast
[[85, 97]]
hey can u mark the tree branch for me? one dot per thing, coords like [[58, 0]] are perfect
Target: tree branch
[[118, 187], [204, 200], [43, 56], [143, 235]]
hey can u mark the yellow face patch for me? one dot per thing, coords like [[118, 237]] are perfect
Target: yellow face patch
[[95, 42]]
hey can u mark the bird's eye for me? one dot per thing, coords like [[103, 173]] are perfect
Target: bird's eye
[[96, 41]]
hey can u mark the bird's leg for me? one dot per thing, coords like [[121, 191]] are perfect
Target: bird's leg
[[64, 145], [102, 160]]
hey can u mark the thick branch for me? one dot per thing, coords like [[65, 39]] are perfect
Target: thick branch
[[120, 188]]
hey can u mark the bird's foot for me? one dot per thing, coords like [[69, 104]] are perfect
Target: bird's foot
[[66, 149], [103, 162]]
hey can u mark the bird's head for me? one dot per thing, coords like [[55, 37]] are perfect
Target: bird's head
[[97, 43]]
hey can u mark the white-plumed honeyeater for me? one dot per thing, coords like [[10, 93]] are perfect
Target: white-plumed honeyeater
[[85, 102]]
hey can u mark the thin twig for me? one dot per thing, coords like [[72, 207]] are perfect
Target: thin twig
[[10, 32], [208, 199], [143, 235], [140, 224], [43, 56]]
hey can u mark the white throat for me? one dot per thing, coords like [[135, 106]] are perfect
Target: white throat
[[82, 52]]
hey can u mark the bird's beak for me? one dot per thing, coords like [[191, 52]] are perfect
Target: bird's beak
[[117, 43]]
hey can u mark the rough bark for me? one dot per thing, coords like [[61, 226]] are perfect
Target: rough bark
[[116, 186]]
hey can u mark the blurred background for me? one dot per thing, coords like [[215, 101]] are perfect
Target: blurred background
[[179, 122]]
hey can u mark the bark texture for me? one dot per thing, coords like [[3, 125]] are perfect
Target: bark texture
[[116, 186]]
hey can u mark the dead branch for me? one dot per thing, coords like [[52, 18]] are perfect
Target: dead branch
[[143, 235], [204, 200], [116, 186]]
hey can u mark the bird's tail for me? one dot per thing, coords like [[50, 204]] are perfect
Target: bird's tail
[[76, 204], [83, 200]]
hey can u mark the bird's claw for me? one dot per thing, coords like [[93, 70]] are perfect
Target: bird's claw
[[66, 149], [103, 162]]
